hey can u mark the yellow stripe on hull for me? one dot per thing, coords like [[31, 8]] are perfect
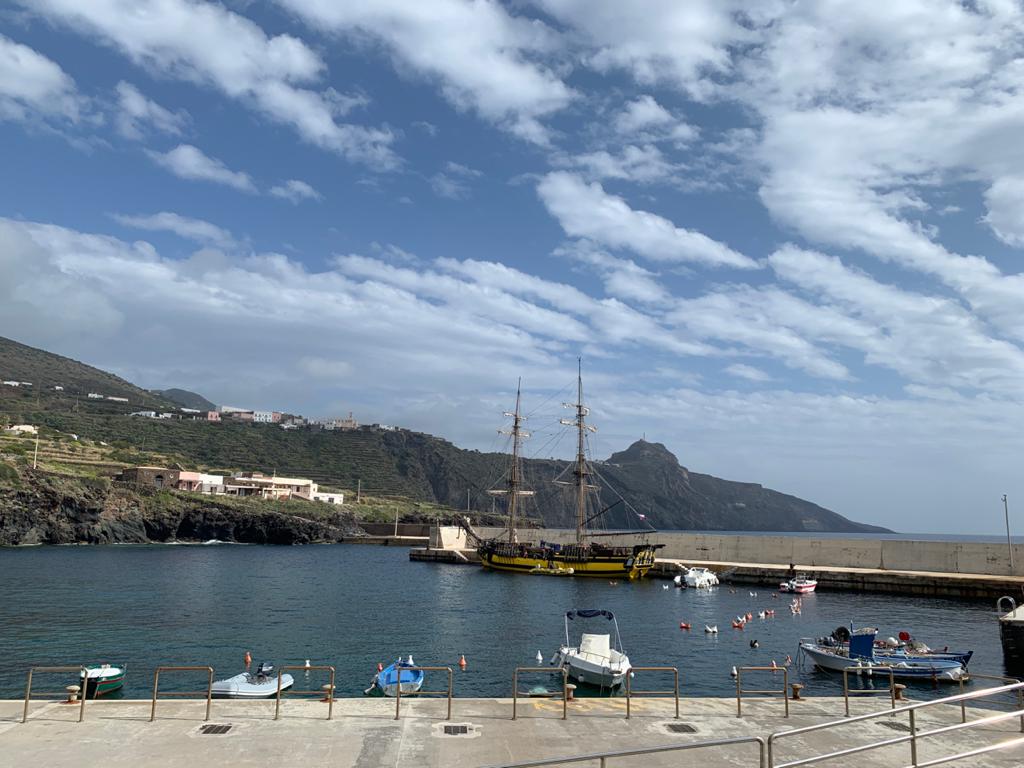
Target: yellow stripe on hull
[[611, 568]]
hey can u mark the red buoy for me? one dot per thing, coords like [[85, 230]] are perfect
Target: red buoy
[[380, 667], [462, 661]]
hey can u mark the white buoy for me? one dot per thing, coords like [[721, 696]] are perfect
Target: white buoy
[[540, 658], [307, 663], [733, 673], [411, 663]]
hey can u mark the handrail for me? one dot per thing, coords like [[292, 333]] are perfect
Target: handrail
[[602, 757], [630, 692], [1005, 680], [330, 691], [740, 690], [869, 691], [398, 687], [910, 709], [549, 670], [83, 676], [208, 692]]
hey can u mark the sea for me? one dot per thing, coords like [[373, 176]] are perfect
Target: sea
[[353, 606]]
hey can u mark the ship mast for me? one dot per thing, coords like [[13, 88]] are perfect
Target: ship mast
[[580, 472], [513, 483]]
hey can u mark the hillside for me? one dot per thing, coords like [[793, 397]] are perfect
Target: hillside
[[419, 467], [185, 399]]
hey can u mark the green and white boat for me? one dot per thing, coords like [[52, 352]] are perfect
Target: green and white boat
[[102, 679]]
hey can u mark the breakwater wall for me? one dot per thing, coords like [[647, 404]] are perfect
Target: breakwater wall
[[984, 558]]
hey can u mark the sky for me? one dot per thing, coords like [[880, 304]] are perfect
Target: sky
[[784, 237]]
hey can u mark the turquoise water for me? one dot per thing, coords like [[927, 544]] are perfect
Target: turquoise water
[[354, 606]]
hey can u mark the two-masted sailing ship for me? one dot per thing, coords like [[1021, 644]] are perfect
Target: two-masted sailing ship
[[582, 557]]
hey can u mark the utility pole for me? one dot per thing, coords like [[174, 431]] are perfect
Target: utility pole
[[35, 456], [359, 491], [1009, 542], [467, 499]]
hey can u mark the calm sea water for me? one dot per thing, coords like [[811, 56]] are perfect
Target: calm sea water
[[353, 606]]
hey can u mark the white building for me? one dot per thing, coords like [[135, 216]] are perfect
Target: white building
[[145, 414], [329, 498], [13, 383], [189, 410], [95, 396], [58, 388], [24, 429], [117, 399]]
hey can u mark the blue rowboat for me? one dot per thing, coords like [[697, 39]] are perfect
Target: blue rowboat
[[401, 673], [860, 656]]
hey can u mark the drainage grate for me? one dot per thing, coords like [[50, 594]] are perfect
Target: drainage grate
[[895, 725], [213, 729], [680, 728], [456, 730]]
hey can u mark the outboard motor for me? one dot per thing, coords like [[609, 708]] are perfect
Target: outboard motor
[[264, 669], [841, 634]]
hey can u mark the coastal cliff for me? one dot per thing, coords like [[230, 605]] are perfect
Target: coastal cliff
[[45, 508]]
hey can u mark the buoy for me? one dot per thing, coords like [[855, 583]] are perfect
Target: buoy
[[540, 657], [774, 665], [755, 644], [462, 661], [737, 625], [410, 662], [683, 625], [380, 667], [307, 663], [749, 616], [711, 630], [248, 659], [789, 660], [733, 672]]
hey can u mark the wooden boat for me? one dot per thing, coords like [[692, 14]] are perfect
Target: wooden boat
[[583, 557], [593, 661], [102, 679], [388, 680], [261, 684], [860, 656]]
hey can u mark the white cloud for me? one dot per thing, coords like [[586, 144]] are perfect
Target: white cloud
[[1005, 203], [586, 210], [748, 372], [483, 58], [188, 162], [642, 165], [32, 85], [295, 191], [191, 229], [138, 114], [453, 181], [210, 45]]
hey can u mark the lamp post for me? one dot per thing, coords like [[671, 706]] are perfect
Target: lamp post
[[1009, 543]]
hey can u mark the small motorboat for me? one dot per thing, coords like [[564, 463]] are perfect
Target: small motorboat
[[101, 679], [401, 673], [594, 661], [860, 656], [261, 684], [700, 578], [801, 585]]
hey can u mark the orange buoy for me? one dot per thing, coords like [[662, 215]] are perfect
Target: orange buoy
[[462, 661], [380, 667], [248, 659], [737, 625], [683, 625]]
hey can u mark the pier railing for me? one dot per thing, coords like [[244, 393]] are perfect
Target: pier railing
[[674, 691], [398, 688], [914, 736], [1005, 681], [602, 758], [770, 693], [329, 690], [847, 691], [207, 694], [83, 692], [550, 671]]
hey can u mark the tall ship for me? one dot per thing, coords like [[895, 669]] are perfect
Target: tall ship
[[582, 557]]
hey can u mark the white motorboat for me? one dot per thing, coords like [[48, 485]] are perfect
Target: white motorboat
[[261, 684], [700, 578], [594, 661], [801, 585]]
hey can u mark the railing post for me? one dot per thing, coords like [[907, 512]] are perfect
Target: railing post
[[846, 689], [515, 691], [1020, 706], [785, 688], [156, 685], [209, 694], [451, 686], [28, 694], [963, 704], [913, 739], [676, 674], [398, 689], [277, 706], [892, 689], [739, 706], [629, 687], [565, 694]]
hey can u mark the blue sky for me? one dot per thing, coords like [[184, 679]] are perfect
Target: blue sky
[[786, 241]]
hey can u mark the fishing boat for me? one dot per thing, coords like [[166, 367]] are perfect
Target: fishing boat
[[261, 684], [860, 655], [401, 673], [101, 679], [801, 585], [700, 578], [593, 661], [582, 557], [903, 648]]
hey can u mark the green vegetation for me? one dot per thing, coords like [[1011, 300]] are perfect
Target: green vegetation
[[9, 477]]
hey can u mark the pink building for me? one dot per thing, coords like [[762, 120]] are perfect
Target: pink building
[[212, 416]]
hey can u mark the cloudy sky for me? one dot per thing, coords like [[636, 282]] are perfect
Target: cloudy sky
[[785, 237]]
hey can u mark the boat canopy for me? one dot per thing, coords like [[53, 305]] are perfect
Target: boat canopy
[[588, 613]]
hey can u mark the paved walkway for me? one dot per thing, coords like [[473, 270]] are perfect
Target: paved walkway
[[364, 734]]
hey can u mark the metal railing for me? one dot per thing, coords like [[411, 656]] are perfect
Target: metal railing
[[82, 677], [1005, 681], [603, 757], [208, 693], [741, 692], [912, 737], [868, 691], [399, 694], [630, 693], [550, 671], [304, 668]]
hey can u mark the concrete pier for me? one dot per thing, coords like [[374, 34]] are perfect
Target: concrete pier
[[364, 734]]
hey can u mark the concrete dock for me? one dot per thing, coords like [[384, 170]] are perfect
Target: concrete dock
[[364, 734]]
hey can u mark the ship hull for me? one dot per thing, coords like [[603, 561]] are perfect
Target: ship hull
[[631, 565]]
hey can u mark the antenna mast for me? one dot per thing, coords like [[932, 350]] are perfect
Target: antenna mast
[[513, 485]]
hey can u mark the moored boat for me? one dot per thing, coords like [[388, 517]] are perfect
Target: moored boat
[[101, 679], [1011, 634], [260, 684], [801, 585], [593, 661], [860, 656], [700, 578], [401, 675]]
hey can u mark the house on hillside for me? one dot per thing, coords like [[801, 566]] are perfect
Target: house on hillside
[[154, 477], [340, 424], [144, 414], [212, 416], [269, 486], [13, 383], [200, 482], [94, 396], [266, 417], [24, 429], [114, 399], [329, 497], [58, 388]]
